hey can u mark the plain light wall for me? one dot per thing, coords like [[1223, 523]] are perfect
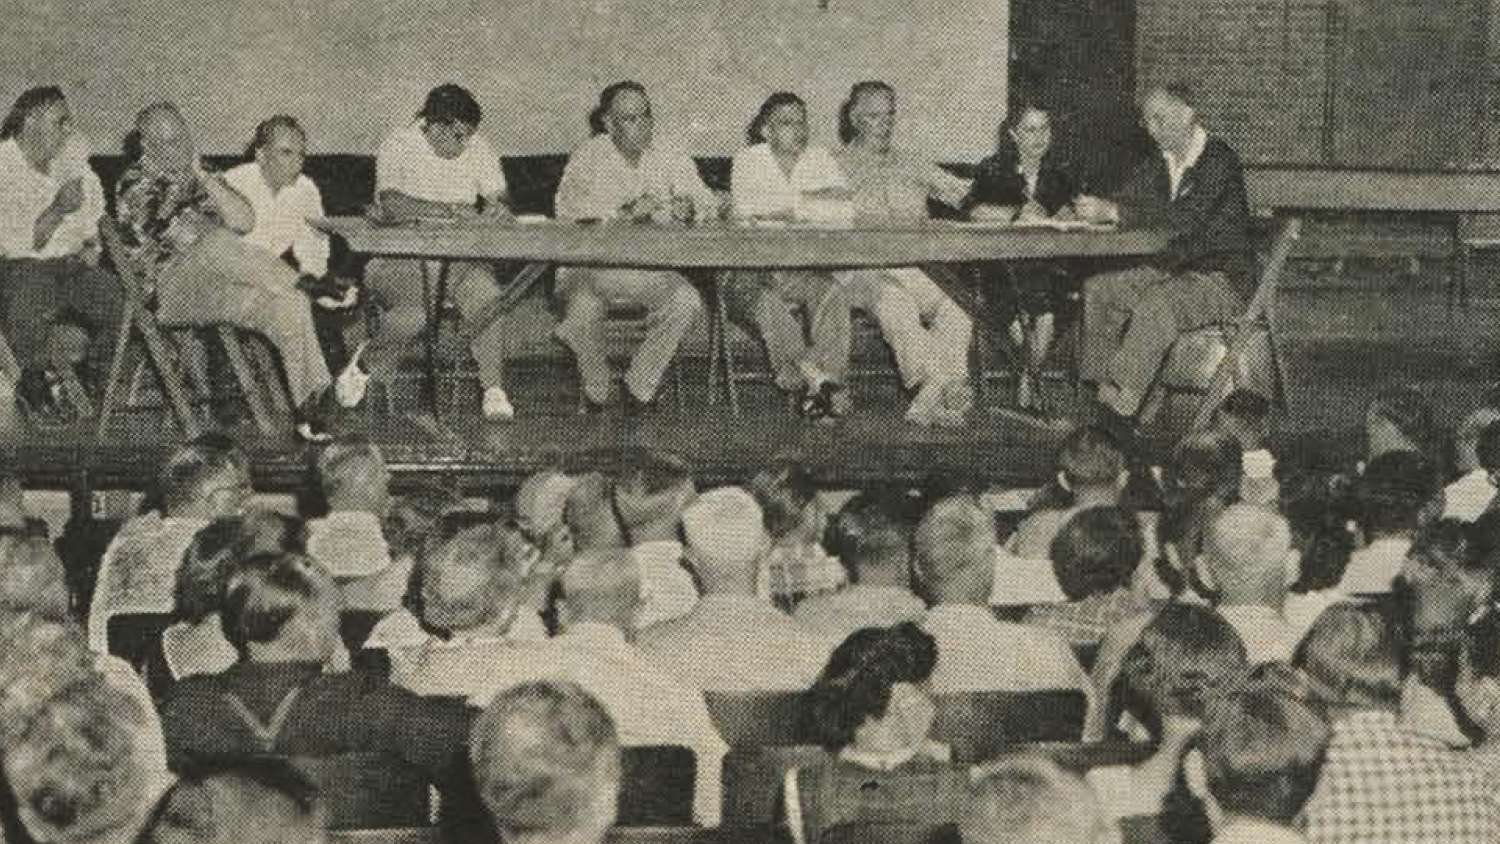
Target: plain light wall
[[352, 70]]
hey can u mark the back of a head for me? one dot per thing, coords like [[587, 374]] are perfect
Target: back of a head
[[32, 578], [1263, 747], [1245, 552], [652, 491], [1182, 658], [602, 585], [1318, 504], [1031, 799], [540, 501], [725, 539], [280, 598], [1394, 490], [870, 535], [1204, 465], [214, 550], [471, 577], [954, 544], [1410, 415], [189, 469], [1354, 653], [590, 514], [784, 493], [244, 801], [1096, 552], [1090, 458], [353, 471], [546, 760], [856, 683]]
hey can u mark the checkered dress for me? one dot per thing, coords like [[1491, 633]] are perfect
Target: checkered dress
[[1380, 783]]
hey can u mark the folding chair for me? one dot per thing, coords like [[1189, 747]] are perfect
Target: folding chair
[[758, 718], [1215, 360], [178, 367]]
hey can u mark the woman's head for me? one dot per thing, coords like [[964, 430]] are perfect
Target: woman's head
[[871, 688], [1355, 655], [279, 146], [470, 578], [1096, 552], [1028, 127], [1184, 656], [39, 121], [780, 123], [211, 556], [868, 115], [283, 605], [1318, 505], [1398, 492]]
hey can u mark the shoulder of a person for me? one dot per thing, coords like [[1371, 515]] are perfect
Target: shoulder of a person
[[402, 139], [480, 147], [753, 153]]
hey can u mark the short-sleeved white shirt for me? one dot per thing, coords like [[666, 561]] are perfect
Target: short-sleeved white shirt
[[407, 163], [759, 186]]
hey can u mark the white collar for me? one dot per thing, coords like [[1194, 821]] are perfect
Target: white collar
[[936, 751]]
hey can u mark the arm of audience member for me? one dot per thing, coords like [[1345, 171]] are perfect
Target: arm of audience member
[[406, 207], [235, 210]]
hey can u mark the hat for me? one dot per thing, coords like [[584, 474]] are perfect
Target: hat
[[725, 525]]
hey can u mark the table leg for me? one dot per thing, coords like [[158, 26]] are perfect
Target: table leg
[[434, 296]]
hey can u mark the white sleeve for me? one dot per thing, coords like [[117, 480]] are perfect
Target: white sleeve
[[310, 245], [687, 181], [489, 175], [822, 171], [393, 170], [791, 800], [578, 197], [748, 186]]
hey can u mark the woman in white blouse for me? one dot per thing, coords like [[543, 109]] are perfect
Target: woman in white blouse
[[778, 177]]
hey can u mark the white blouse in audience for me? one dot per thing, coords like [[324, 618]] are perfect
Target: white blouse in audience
[[976, 652], [281, 216], [762, 189], [407, 163], [1023, 580], [1372, 568], [598, 181], [1266, 634], [138, 573]]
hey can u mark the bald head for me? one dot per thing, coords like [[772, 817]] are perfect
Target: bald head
[[726, 539], [166, 143], [954, 543], [1245, 553], [601, 586]]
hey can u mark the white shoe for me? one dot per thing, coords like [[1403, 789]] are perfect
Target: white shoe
[[497, 404], [921, 409], [352, 384]]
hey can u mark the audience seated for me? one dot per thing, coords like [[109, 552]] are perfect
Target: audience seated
[[1184, 657], [732, 640], [1245, 556], [1202, 478], [1478, 452], [1380, 782], [780, 177], [181, 222], [195, 644], [1093, 557], [1477, 689], [1318, 506], [280, 613], [1031, 799], [200, 481], [871, 537], [1090, 473], [245, 801], [589, 513], [1398, 492], [598, 604], [473, 600], [539, 505], [350, 540], [976, 652], [1246, 416], [649, 497], [546, 760], [413, 520], [1261, 748], [49, 249], [797, 565], [622, 173], [928, 332], [870, 711]]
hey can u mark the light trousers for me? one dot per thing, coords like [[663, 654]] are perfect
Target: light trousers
[[926, 330], [770, 300], [673, 306], [471, 286]]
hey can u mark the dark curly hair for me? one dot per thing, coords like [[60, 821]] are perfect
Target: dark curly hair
[[755, 133], [1096, 551], [856, 683], [1187, 654]]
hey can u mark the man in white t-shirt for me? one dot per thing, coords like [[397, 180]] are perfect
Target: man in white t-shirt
[[620, 174], [436, 166]]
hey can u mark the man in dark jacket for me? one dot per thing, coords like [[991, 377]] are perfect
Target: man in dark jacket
[[1195, 189]]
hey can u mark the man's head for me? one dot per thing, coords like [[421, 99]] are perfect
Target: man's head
[[624, 112], [602, 586], [1398, 492], [166, 144], [247, 801], [32, 577], [1031, 799], [590, 514], [788, 498], [215, 550], [1245, 555], [725, 540], [1353, 653], [955, 546], [280, 148], [354, 476], [650, 494], [204, 480], [1183, 658], [281, 608], [540, 502], [449, 116], [871, 537], [1096, 552], [546, 761], [472, 578], [1262, 747], [868, 115], [1091, 462], [1167, 111], [39, 122]]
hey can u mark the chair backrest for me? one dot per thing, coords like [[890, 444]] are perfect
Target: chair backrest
[[136, 638], [1262, 303], [980, 724], [890, 833], [355, 627], [753, 778], [758, 718], [368, 790], [670, 835], [656, 785]]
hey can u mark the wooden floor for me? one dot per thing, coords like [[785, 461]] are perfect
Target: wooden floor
[[1340, 343]]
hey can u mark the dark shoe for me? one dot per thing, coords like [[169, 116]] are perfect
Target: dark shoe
[[40, 395]]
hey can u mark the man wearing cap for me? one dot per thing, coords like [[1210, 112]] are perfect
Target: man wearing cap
[[732, 640]]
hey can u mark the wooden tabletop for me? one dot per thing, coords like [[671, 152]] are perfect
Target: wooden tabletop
[[718, 246]]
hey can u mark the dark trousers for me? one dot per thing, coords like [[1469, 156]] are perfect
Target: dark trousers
[[35, 295]]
